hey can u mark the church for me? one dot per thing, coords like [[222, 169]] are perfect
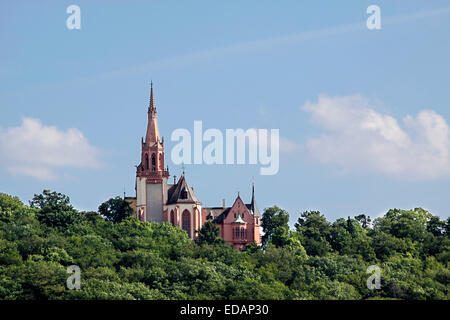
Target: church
[[158, 200]]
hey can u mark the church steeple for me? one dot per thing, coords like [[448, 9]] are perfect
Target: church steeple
[[152, 135], [152, 153], [151, 175]]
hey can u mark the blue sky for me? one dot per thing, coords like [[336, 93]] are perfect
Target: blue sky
[[363, 114]]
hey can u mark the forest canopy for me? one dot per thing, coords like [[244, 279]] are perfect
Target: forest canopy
[[121, 257]]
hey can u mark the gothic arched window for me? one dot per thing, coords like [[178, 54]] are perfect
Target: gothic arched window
[[146, 161], [186, 222], [153, 162], [172, 217]]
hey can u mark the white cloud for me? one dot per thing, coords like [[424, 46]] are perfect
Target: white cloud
[[288, 146], [36, 150], [359, 138]]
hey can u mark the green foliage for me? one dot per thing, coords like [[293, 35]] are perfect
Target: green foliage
[[9, 254], [55, 209], [350, 237], [404, 224], [121, 257], [209, 233], [275, 225], [115, 209], [8, 205], [314, 232]]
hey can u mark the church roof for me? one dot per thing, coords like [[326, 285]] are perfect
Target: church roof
[[170, 189], [182, 193], [219, 217]]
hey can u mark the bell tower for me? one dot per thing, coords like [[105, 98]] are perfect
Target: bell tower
[[151, 176]]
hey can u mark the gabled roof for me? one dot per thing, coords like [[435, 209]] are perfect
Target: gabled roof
[[252, 207], [182, 193]]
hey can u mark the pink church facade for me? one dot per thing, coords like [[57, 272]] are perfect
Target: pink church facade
[[239, 224], [158, 200]]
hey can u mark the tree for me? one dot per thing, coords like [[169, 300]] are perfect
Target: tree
[[273, 218], [386, 245], [364, 220], [350, 237], [209, 233], [447, 227], [436, 226], [281, 236], [408, 224], [146, 260], [340, 237], [115, 209], [54, 209], [8, 205], [314, 232], [8, 202]]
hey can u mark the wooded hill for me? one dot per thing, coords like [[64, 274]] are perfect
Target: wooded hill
[[123, 258]]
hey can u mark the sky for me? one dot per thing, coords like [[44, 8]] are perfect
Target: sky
[[363, 114]]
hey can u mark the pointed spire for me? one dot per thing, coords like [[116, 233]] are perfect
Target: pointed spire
[[253, 205], [151, 107], [152, 135]]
